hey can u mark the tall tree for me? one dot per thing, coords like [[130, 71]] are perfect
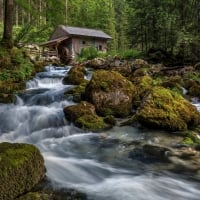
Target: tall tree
[[1, 11], [7, 39]]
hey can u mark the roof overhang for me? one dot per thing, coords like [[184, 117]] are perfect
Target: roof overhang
[[54, 42]]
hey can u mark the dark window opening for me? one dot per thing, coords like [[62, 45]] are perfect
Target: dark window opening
[[100, 48], [83, 42]]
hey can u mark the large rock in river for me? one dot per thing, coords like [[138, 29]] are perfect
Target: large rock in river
[[84, 116], [166, 109], [111, 93], [21, 168], [75, 76]]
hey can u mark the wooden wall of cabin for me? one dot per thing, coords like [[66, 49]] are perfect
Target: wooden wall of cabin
[[82, 42]]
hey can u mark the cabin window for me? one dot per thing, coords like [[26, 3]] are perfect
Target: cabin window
[[83, 42], [100, 48]]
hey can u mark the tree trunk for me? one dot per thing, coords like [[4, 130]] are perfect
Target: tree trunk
[[66, 11], [16, 15], [1, 11], [7, 40]]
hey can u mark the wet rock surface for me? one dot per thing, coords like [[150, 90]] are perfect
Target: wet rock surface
[[111, 93], [21, 168], [165, 109], [85, 117]]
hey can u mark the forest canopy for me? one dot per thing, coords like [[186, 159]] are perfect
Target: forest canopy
[[170, 26]]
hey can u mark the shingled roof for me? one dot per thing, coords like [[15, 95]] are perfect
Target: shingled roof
[[85, 32]]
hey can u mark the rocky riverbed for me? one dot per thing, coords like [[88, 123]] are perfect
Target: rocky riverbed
[[124, 131]]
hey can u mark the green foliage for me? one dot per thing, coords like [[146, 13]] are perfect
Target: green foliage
[[187, 141], [15, 69], [128, 54], [191, 138], [102, 54], [131, 53], [194, 77], [170, 26], [88, 53], [19, 68]]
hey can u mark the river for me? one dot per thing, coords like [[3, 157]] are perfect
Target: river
[[97, 164]]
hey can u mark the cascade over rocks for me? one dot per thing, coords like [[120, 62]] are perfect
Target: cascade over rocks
[[21, 168], [165, 109], [110, 93]]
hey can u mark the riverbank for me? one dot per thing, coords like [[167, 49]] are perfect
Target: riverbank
[[15, 69]]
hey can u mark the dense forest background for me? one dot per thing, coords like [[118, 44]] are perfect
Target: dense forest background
[[170, 26]]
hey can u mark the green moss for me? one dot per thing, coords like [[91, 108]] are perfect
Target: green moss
[[84, 116], [142, 84], [187, 141], [15, 69], [111, 93], [107, 111], [21, 167], [5, 60], [104, 86], [91, 123], [34, 196], [163, 108], [75, 75], [141, 72], [78, 92], [73, 112], [109, 119], [191, 138], [174, 83]]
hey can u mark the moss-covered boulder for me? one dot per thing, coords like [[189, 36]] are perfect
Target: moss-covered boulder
[[111, 93], [21, 168], [84, 116], [194, 90], [166, 109], [142, 84], [75, 76], [192, 84], [172, 82], [77, 93]]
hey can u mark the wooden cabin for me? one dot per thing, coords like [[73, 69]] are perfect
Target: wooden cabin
[[66, 42]]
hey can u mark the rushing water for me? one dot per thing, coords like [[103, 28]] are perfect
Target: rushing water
[[96, 164]]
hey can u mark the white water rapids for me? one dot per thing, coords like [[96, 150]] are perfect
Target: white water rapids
[[89, 162]]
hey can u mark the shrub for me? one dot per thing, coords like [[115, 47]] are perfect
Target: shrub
[[88, 53], [129, 54]]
